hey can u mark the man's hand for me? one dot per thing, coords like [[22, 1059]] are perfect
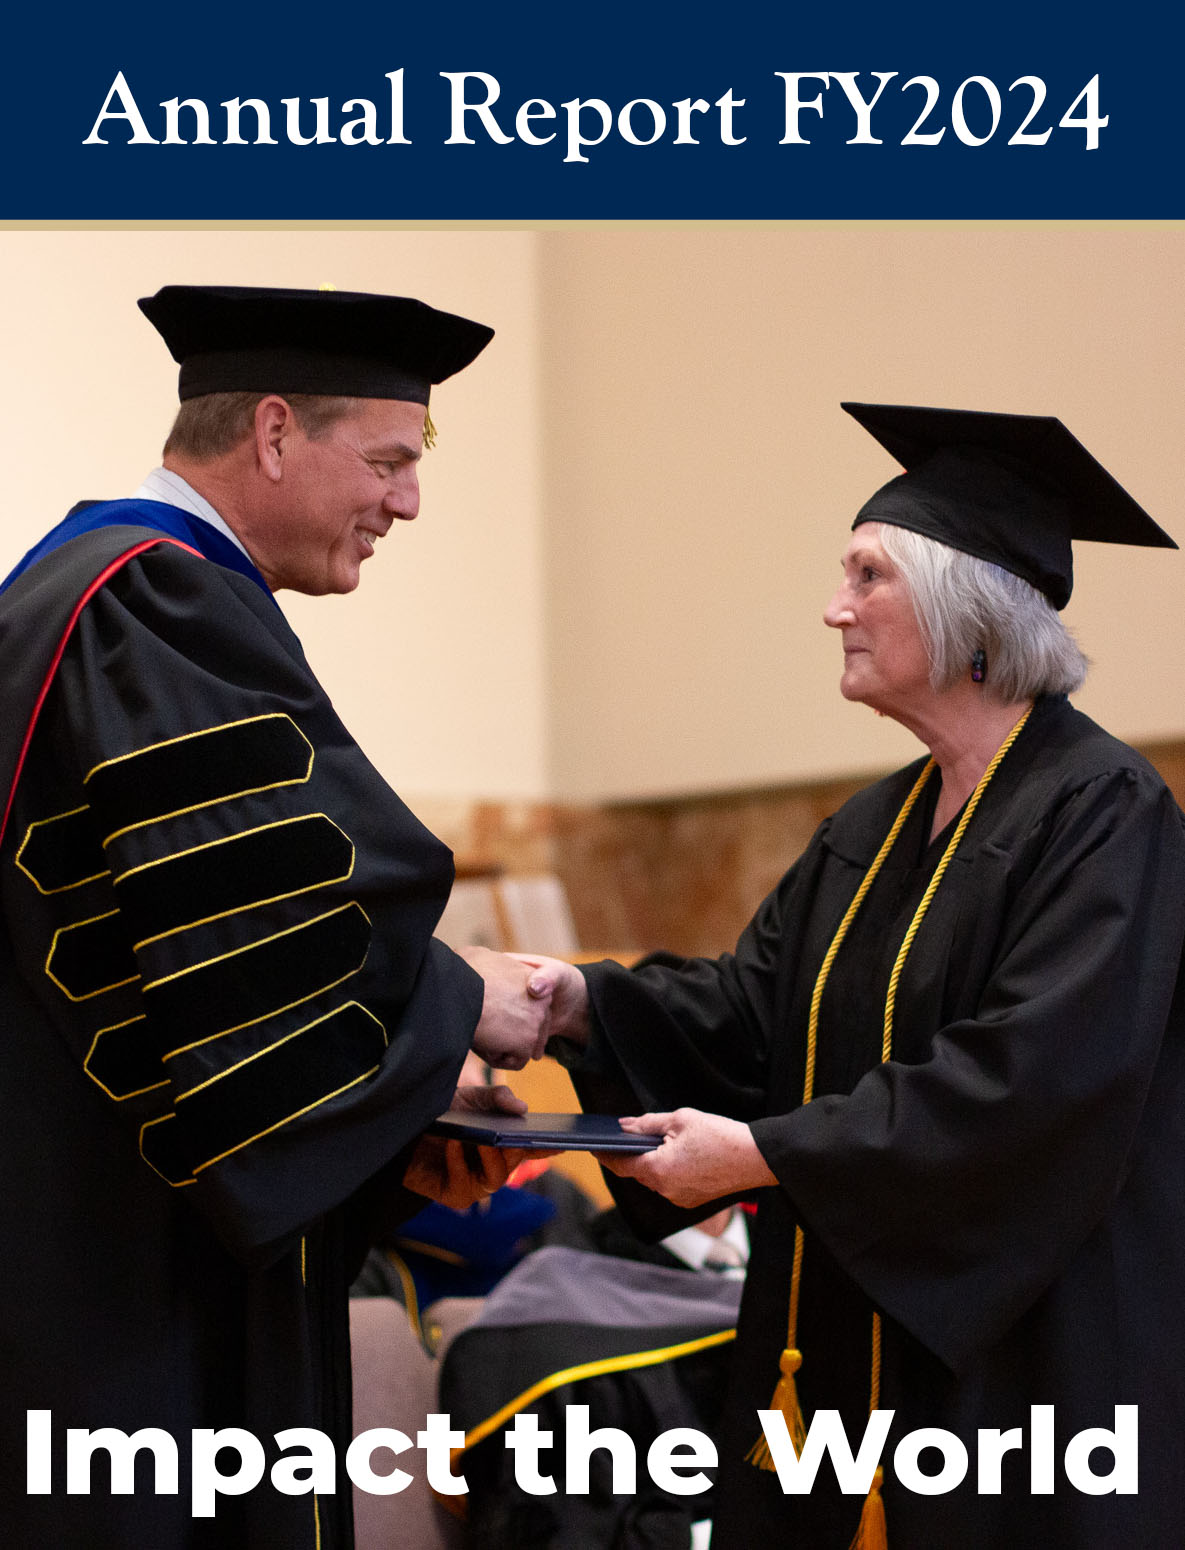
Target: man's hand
[[458, 1173], [512, 1029], [702, 1157], [564, 990]]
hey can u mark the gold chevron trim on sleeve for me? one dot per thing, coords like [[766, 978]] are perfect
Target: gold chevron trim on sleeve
[[117, 1029], [158, 1142], [178, 775], [254, 902], [84, 856], [100, 954], [220, 1076], [363, 1076], [249, 947]]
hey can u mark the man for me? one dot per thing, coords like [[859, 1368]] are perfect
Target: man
[[227, 1022]]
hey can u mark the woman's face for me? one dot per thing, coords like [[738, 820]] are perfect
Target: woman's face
[[885, 661]]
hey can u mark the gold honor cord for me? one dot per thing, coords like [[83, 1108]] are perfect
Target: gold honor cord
[[786, 1394], [871, 1533]]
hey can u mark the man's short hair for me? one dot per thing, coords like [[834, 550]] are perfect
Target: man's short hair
[[964, 604], [215, 423]]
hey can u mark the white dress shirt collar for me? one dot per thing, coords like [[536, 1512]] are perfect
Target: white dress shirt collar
[[694, 1247], [162, 484]]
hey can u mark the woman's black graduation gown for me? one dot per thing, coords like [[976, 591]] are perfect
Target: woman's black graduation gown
[[1009, 1189], [225, 1020]]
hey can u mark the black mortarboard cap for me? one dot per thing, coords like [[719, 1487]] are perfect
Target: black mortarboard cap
[[1014, 489], [232, 338]]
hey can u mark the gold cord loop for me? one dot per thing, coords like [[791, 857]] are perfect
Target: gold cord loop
[[871, 1534]]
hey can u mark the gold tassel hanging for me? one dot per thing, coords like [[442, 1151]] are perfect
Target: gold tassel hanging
[[785, 1396], [871, 1534], [786, 1400]]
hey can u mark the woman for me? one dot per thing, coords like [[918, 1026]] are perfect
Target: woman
[[946, 1057]]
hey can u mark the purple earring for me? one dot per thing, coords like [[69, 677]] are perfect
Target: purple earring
[[978, 666]]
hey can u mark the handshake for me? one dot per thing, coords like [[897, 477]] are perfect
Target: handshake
[[528, 1000]]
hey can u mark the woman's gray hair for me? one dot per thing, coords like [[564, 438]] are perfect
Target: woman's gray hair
[[964, 604]]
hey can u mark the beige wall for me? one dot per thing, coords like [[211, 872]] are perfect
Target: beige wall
[[641, 491], [701, 477]]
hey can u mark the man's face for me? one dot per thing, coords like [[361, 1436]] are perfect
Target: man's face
[[339, 494]]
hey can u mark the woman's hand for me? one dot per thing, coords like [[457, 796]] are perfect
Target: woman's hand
[[513, 1026], [565, 990], [702, 1157]]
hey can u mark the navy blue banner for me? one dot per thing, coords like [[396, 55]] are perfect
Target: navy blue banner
[[592, 111]]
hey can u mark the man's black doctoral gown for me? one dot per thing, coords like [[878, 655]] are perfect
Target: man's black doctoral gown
[[225, 1022], [1009, 1189]]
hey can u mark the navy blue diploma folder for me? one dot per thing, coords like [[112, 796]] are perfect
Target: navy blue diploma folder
[[542, 1132]]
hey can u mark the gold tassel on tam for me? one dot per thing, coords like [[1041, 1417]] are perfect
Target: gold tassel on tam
[[786, 1400], [871, 1535]]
